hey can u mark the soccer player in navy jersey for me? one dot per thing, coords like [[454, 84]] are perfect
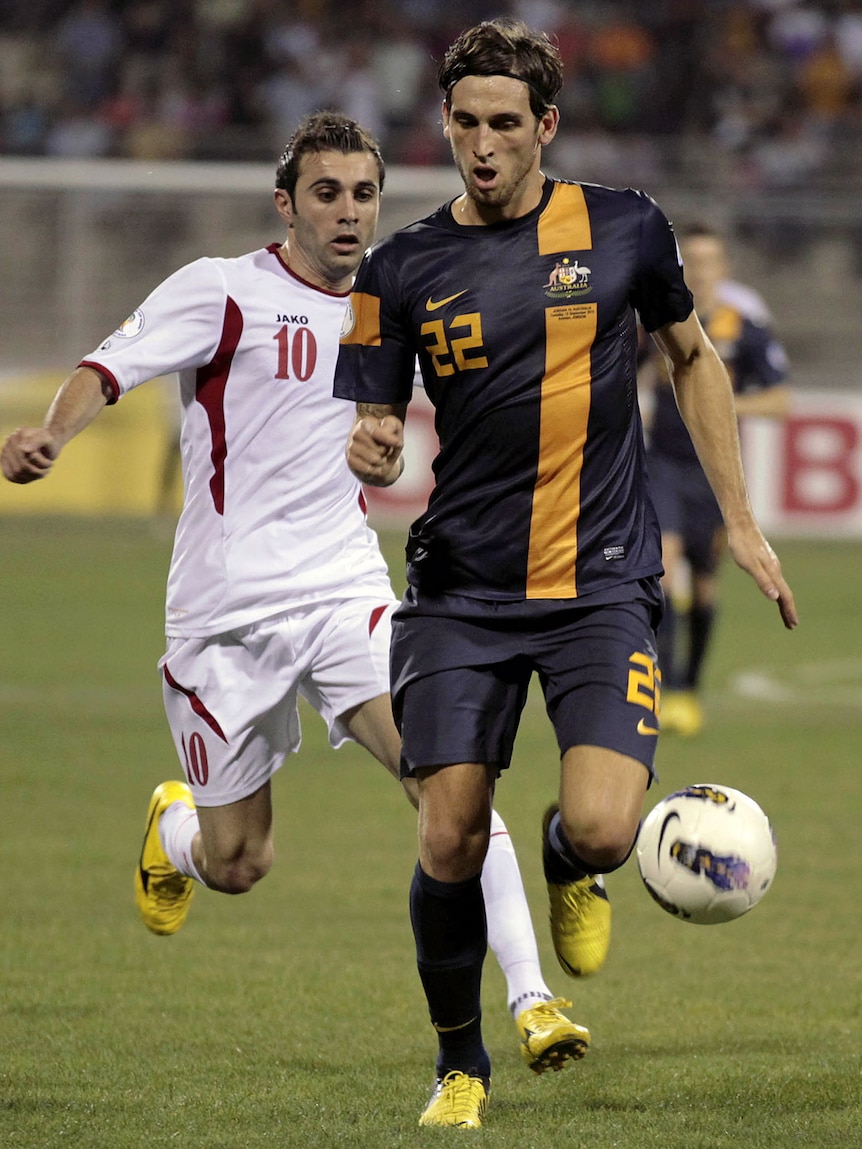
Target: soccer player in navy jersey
[[540, 549], [692, 532]]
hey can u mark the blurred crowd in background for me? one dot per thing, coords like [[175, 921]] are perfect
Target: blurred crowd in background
[[772, 87]]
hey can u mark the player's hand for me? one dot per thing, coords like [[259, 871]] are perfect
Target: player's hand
[[374, 449], [28, 454], [753, 553]]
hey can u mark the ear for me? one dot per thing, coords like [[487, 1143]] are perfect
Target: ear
[[283, 206], [548, 125], [446, 119]]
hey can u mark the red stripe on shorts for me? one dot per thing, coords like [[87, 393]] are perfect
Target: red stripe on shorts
[[196, 704], [376, 616]]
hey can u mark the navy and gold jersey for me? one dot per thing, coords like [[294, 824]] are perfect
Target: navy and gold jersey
[[755, 361], [526, 338]]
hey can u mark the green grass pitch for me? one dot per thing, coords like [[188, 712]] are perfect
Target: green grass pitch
[[294, 1016]]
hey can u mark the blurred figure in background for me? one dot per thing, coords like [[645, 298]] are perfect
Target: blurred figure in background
[[692, 532]]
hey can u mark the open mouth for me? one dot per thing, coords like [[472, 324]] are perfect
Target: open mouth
[[346, 242], [484, 176]]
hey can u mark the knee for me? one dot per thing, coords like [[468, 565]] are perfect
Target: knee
[[237, 872], [453, 851]]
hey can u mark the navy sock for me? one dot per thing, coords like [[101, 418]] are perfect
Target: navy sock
[[451, 940], [701, 620], [561, 864], [666, 640]]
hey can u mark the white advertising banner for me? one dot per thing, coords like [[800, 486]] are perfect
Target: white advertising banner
[[805, 472]]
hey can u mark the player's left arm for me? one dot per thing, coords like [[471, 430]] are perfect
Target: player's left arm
[[705, 398]]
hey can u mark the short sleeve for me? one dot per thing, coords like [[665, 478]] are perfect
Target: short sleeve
[[660, 293], [178, 326], [376, 356]]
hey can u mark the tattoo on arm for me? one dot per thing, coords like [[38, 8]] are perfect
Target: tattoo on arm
[[381, 410]]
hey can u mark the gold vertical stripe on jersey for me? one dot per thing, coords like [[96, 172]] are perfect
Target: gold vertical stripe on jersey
[[564, 225], [366, 320], [570, 332]]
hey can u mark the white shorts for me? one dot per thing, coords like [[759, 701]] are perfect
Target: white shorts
[[231, 699]]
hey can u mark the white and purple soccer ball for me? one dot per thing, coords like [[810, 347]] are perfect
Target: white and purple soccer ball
[[707, 853]]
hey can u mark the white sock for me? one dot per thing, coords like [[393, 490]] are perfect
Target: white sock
[[177, 828], [510, 927]]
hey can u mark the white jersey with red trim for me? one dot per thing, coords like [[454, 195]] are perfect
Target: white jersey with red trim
[[272, 516]]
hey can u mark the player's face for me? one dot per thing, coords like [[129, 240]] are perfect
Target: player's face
[[333, 217], [496, 144], [705, 266]]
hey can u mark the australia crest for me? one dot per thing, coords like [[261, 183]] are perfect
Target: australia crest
[[568, 278]]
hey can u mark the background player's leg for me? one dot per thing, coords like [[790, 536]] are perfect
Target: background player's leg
[[700, 628], [667, 637]]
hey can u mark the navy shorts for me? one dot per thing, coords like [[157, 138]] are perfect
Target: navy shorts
[[459, 684], [686, 506]]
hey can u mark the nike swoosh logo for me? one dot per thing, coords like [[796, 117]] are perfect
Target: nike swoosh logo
[[644, 729], [452, 1028], [432, 306], [671, 817], [145, 874]]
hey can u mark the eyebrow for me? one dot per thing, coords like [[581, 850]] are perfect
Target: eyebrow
[[330, 182], [456, 113]]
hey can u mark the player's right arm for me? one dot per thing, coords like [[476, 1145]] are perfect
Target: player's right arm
[[375, 369], [375, 443], [29, 452], [177, 326]]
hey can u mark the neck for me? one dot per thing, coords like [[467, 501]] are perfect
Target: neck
[[304, 270]]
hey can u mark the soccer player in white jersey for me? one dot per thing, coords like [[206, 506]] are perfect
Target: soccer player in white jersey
[[277, 587]]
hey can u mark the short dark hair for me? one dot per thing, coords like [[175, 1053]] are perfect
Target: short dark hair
[[505, 47], [702, 229], [324, 132]]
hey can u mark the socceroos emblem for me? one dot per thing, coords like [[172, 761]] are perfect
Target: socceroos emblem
[[568, 278]]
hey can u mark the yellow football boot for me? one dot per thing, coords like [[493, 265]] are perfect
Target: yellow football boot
[[681, 713], [458, 1100], [580, 919], [548, 1038], [162, 893]]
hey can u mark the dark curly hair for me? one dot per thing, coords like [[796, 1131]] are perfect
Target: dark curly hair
[[505, 47]]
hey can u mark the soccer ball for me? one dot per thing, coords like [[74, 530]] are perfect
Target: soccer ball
[[707, 854]]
